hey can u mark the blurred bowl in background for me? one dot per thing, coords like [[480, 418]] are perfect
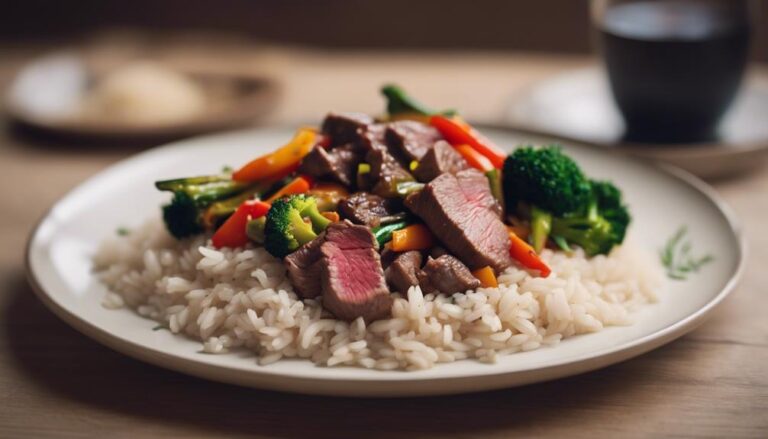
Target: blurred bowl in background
[[577, 105]]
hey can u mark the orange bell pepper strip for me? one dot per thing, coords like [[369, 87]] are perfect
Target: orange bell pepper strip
[[413, 237], [298, 185], [523, 253], [280, 162], [487, 277], [457, 132], [232, 232], [474, 158], [333, 216]]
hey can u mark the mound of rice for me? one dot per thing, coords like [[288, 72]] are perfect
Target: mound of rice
[[242, 298]]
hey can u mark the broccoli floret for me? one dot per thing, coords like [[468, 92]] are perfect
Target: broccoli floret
[[611, 207], [201, 203], [563, 204], [292, 222], [600, 226], [182, 216], [545, 177]]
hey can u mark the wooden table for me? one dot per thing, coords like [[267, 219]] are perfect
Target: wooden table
[[56, 382]]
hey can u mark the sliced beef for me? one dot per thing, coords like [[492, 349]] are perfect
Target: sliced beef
[[352, 279], [371, 137], [304, 268], [402, 273], [338, 164], [476, 188], [437, 251], [388, 256], [409, 140], [386, 172], [446, 275], [345, 128], [369, 209], [441, 158], [458, 210]]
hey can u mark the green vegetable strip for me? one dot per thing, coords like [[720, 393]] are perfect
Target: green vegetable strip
[[494, 181], [181, 183], [399, 102], [408, 187], [383, 234]]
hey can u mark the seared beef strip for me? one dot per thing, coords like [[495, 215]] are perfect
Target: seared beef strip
[[441, 158], [371, 137], [475, 187], [402, 272], [352, 279], [386, 172], [446, 275], [388, 256], [366, 208], [458, 210], [338, 164], [343, 127], [409, 140], [304, 269], [437, 251]]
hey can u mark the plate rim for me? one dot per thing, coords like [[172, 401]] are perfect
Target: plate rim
[[580, 363]]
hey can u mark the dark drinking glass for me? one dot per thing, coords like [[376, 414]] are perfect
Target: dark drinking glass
[[674, 66]]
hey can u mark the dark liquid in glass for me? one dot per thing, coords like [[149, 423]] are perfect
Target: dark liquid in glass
[[674, 66]]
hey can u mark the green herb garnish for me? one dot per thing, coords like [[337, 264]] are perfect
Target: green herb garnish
[[123, 231], [677, 259], [159, 327]]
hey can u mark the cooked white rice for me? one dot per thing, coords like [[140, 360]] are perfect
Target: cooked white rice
[[242, 299]]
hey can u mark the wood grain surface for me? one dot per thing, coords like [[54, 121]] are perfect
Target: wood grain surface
[[55, 382]]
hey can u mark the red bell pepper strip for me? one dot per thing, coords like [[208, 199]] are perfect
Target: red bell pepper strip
[[474, 158], [232, 232], [298, 185], [457, 132], [280, 162], [523, 253]]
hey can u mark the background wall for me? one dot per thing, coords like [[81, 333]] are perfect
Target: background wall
[[549, 25]]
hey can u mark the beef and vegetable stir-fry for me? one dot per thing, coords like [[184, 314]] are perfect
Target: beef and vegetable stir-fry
[[364, 206]]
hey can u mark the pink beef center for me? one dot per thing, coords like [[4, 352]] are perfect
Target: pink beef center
[[474, 219], [356, 271]]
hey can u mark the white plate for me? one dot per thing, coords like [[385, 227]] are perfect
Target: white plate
[[60, 249]]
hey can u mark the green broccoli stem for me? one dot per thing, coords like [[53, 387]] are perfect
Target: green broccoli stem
[[254, 229], [592, 233], [541, 226], [319, 222], [301, 231], [562, 243]]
